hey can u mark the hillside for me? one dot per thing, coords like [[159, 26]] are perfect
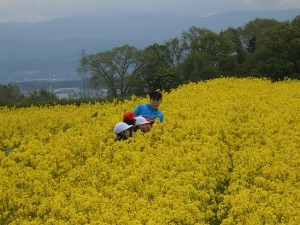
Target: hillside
[[53, 48], [230, 157]]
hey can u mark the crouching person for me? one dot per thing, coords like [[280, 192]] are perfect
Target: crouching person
[[122, 130], [129, 118], [142, 124]]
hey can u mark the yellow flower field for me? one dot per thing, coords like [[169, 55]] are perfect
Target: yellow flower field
[[228, 153]]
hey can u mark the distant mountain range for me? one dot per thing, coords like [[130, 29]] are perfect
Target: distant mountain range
[[52, 49]]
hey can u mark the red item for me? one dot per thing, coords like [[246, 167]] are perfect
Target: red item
[[128, 116], [149, 120]]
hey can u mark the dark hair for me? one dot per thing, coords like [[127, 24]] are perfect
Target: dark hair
[[130, 122], [155, 95]]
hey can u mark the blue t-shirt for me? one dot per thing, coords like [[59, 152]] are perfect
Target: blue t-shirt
[[146, 110]]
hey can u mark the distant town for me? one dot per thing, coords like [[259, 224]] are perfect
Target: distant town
[[77, 93], [63, 89]]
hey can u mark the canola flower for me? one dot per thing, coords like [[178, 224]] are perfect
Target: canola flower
[[228, 153]]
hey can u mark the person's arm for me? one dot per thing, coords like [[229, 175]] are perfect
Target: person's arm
[[161, 117], [137, 110]]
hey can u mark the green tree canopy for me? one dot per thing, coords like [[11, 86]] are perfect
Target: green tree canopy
[[117, 69], [159, 70], [10, 94], [204, 50], [42, 96], [254, 29], [262, 47], [277, 52]]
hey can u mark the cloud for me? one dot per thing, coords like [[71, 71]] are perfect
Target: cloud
[[290, 3], [32, 10], [35, 9], [272, 4]]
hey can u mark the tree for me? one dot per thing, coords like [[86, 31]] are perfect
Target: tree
[[10, 94], [277, 52], [196, 68], [210, 44], [117, 69], [42, 96], [159, 70], [295, 46], [231, 62], [204, 51], [253, 30], [176, 51]]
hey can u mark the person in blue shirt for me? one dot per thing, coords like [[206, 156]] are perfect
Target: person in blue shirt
[[151, 110]]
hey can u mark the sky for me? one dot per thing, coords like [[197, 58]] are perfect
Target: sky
[[43, 10]]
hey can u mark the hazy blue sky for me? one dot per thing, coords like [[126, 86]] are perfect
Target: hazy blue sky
[[41, 10]]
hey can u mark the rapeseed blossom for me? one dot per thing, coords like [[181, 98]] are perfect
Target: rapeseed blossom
[[227, 153]]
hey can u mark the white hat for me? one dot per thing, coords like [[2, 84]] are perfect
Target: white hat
[[139, 120], [120, 127]]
